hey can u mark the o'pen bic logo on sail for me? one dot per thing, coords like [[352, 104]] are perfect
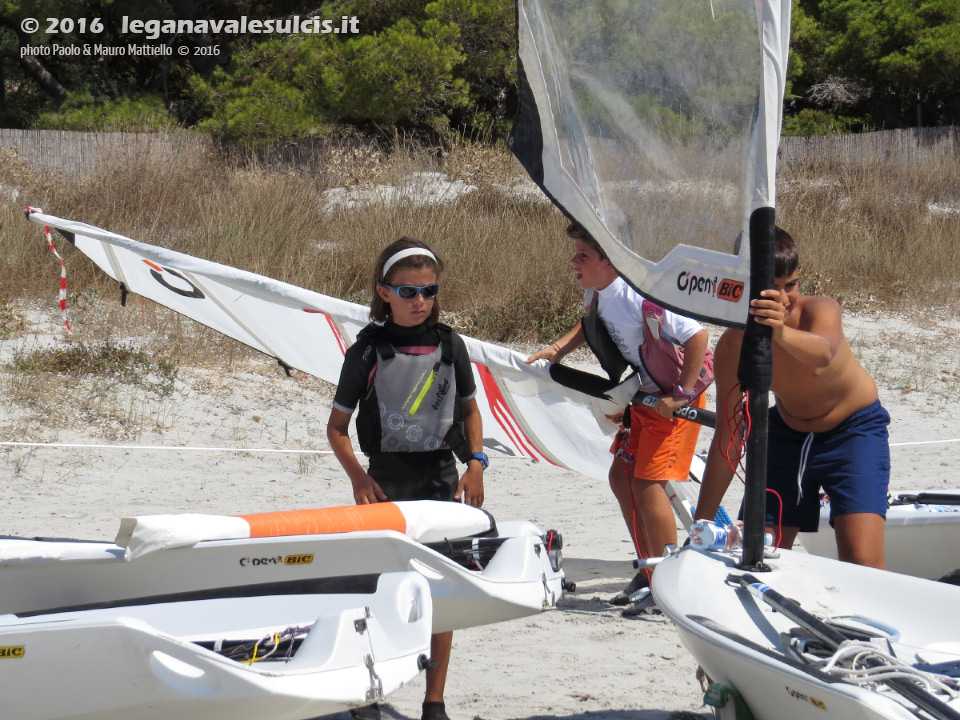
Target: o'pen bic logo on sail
[[725, 289]]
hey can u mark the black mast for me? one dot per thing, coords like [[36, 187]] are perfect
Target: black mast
[[755, 373]]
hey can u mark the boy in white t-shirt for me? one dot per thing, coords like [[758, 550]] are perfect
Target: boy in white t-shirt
[[652, 446]]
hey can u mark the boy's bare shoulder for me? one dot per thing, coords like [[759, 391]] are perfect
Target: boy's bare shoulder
[[817, 309], [817, 304]]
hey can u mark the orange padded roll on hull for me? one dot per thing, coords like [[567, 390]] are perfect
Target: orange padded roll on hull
[[320, 521]]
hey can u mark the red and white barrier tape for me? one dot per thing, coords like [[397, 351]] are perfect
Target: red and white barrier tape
[[63, 280], [63, 272]]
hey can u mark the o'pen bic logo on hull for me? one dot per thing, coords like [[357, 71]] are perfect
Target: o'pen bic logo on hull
[[12, 651], [305, 559], [725, 289], [797, 695]]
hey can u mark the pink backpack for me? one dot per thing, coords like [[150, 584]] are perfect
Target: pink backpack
[[664, 360]]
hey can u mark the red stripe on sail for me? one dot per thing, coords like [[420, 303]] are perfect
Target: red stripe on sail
[[501, 413], [338, 336]]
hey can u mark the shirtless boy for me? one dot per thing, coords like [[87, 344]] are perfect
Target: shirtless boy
[[828, 429]]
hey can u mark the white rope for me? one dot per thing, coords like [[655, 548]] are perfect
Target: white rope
[[88, 446], [804, 456], [187, 448], [281, 450], [891, 668], [924, 442]]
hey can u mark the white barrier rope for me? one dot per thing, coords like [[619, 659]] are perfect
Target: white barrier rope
[[319, 452], [924, 442], [88, 446], [187, 448]]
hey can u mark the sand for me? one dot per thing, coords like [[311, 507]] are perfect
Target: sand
[[249, 439]]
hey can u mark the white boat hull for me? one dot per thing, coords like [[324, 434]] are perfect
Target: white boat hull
[[143, 661], [736, 637], [118, 638], [921, 540], [518, 581]]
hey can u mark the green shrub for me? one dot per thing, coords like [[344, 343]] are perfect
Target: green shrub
[[85, 113], [820, 122]]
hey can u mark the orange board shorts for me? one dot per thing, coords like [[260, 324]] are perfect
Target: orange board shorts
[[659, 449]]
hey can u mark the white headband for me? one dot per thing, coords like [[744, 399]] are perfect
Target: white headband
[[409, 252]]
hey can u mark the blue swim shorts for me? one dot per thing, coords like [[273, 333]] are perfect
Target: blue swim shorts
[[851, 463]]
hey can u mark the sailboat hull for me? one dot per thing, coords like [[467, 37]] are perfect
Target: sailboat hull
[[519, 580], [145, 637], [736, 637], [919, 539], [157, 661]]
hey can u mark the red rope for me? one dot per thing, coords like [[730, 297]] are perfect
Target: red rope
[[620, 452], [737, 421], [737, 424], [779, 518]]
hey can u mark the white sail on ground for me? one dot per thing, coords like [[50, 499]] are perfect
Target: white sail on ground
[[525, 413]]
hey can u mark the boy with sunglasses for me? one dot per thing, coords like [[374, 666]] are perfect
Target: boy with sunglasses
[[412, 381]]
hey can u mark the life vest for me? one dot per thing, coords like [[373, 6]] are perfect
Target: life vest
[[661, 358], [412, 403]]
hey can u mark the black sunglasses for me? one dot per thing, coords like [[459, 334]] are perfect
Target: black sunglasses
[[409, 292]]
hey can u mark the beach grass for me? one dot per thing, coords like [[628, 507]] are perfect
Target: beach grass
[[872, 233], [876, 230]]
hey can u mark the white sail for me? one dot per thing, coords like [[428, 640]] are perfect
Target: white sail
[[655, 126], [525, 413]]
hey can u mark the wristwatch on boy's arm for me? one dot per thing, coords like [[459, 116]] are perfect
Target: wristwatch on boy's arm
[[481, 458]]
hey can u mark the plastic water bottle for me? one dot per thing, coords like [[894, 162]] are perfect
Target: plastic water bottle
[[706, 535]]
